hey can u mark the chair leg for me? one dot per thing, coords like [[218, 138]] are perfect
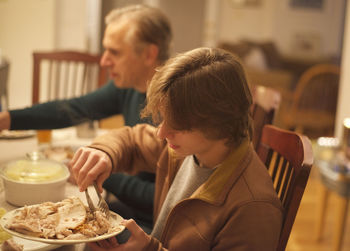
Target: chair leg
[[340, 222], [321, 211]]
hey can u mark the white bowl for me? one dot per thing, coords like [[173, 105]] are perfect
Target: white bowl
[[28, 182]]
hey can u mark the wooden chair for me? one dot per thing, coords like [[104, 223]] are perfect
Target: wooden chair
[[65, 74], [266, 102], [288, 157], [313, 104]]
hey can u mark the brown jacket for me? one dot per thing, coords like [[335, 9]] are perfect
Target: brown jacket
[[235, 209]]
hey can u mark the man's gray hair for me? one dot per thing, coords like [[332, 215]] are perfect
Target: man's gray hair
[[150, 26]]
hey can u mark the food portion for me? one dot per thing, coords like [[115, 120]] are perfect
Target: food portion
[[61, 154], [11, 245], [58, 153], [68, 219]]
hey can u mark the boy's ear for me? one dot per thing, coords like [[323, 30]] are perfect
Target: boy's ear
[[151, 54]]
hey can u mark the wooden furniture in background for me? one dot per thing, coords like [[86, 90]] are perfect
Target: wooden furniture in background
[[266, 65], [266, 102], [313, 104], [288, 157], [65, 74]]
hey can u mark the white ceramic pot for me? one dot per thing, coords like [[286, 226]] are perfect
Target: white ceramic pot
[[28, 182]]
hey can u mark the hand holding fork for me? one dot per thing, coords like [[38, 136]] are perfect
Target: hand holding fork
[[101, 205]]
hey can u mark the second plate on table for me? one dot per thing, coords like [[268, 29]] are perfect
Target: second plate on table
[[16, 134]]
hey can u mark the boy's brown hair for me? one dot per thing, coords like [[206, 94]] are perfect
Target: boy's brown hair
[[204, 89]]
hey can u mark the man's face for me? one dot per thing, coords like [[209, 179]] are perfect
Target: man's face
[[127, 67]]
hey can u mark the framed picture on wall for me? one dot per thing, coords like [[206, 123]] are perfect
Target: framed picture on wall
[[314, 4]]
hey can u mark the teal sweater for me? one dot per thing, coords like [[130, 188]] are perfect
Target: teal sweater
[[102, 103]]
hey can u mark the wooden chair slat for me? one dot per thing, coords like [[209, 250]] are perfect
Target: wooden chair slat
[[62, 76]]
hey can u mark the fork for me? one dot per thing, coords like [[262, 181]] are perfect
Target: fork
[[90, 203], [102, 204]]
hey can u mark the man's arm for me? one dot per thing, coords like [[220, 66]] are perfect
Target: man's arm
[[102, 103], [4, 120]]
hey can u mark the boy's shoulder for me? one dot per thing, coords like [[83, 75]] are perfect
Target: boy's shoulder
[[255, 183]]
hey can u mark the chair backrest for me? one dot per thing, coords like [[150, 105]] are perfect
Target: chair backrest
[[65, 74], [265, 104], [288, 157], [315, 98], [4, 72], [319, 81]]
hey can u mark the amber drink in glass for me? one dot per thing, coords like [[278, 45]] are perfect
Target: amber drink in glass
[[44, 137]]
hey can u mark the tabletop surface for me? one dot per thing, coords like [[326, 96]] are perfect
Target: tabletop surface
[[17, 148]]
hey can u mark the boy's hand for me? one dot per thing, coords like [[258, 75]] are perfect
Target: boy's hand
[[138, 240], [88, 165]]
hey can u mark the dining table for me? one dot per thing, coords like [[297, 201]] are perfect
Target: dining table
[[14, 148]]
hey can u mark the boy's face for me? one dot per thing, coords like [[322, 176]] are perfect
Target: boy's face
[[186, 143]]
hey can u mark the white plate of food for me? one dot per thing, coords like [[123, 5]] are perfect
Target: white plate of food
[[62, 223], [16, 134]]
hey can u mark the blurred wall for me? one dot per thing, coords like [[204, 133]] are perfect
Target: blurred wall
[[71, 24], [24, 27], [187, 18]]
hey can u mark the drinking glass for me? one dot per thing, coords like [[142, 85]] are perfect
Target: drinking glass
[[44, 137]]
